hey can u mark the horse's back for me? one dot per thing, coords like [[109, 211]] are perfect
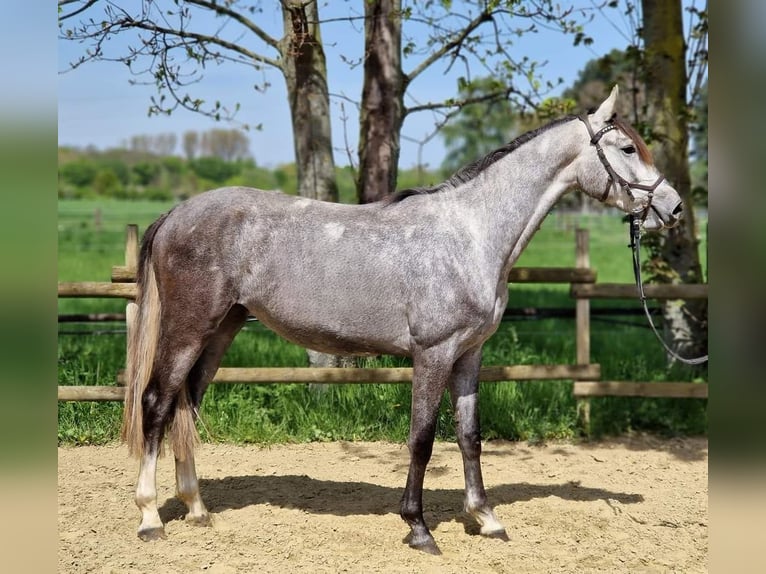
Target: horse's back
[[315, 272]]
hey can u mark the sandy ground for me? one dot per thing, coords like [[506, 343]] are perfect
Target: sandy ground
[[638, 504]]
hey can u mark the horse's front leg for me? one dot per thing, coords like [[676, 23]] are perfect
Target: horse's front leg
[[428, 383], [464, 390]]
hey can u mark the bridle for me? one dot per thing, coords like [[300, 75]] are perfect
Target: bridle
[[626, 186], [636, 220]]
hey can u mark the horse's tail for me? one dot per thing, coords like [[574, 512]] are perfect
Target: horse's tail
[[143, 339], [183, 432]]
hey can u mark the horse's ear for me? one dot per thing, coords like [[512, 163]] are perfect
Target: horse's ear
[[605, 111]]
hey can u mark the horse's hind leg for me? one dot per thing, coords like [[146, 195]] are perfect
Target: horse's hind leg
[[464, 390], [166, 399], [203, 371], [151, 527], [159, 403]]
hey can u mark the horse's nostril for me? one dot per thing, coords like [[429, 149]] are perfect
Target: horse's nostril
[[678, 210]]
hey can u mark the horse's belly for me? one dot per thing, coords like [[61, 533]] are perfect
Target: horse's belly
[[338, 333]]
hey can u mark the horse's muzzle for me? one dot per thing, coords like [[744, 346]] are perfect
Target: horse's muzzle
[[677, 214]]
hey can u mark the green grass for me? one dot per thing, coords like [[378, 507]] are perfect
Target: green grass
[[530, 410]]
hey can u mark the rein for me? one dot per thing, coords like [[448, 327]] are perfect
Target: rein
[[635, 224], [635, 246]]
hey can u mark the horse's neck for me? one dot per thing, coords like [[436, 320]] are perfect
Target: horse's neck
[[515, 194]]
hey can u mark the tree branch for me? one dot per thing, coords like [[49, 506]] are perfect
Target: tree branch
[[455, 42], [203, 39], [99, 31], [456, 104], [246, 22], [76, 12]]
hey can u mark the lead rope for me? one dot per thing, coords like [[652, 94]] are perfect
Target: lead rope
[[635, 245]]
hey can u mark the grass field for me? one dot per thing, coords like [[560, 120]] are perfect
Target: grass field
[[91, 240]]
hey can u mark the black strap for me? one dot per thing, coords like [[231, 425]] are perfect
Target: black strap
[[635, 245]]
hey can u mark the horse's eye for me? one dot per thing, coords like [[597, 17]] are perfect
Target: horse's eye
[[629, 149]]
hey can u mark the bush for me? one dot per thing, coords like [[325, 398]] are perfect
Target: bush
[[157, 194], [144, 173], [79, 173], [214, 169], [106, 182]]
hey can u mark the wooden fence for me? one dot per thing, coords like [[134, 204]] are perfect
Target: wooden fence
[[586, 375]]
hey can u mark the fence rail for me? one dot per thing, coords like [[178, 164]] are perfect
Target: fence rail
[[583, 389], [340, 375], [98, 289], [630, 291]]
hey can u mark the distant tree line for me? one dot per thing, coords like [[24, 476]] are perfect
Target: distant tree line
[[226, 144], [145, 167]]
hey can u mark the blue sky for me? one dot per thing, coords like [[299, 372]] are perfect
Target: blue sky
[[97, 105]]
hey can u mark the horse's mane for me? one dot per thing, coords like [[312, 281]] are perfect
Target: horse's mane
[[470, 171]]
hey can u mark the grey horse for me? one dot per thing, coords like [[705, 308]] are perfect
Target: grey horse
[[422, 274]]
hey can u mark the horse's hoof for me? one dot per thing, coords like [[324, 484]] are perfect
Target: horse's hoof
[[428, 547], [150, 534], [203, 520], [497, 535], [424, 544]]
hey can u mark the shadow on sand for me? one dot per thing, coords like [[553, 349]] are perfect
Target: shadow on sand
[[341, 498]]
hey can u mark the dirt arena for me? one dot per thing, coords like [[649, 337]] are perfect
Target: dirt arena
[[637, 504]]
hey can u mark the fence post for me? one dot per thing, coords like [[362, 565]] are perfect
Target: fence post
[[131, 312], [131, 264], [131, 247], [582, 321]]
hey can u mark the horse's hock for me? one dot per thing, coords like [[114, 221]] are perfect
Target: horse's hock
[[586, 375]]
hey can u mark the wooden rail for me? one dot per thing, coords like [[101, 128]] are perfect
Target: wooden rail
[[341, 375], [90, 393], [582, 389], [391, 375], [630, 291], [98, 289]]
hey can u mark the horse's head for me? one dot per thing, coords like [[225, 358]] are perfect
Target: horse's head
[[618, 170]]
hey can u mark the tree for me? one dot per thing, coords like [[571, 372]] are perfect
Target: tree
[[676, 259], [305, 71], [213, 169], [79, 173], [190, 143], [228, 145], [145, 172], [699, 166], [164, 144], [382, 109]]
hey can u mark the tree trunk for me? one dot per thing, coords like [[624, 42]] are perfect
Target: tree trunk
[[381, 112], [666, 83], [305, 71]]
